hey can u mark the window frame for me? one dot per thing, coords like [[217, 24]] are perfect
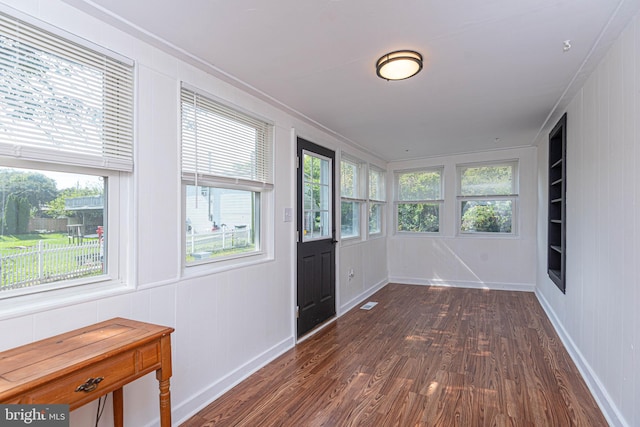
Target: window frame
[[116, 216], [104, 161], [512, 196], [439, 202], [260, 186], [378, 200], [356, 198]]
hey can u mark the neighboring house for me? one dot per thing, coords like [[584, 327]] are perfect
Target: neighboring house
[[209, 209], [87, 211]]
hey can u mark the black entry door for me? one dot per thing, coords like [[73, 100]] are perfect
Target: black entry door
[[316, 236]]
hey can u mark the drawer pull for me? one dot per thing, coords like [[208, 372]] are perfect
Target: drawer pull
[[90, 385]]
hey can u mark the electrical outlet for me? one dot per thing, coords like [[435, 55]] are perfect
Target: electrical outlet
[[351, 274]]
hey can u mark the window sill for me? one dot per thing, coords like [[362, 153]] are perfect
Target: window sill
[[377, 236], [22, 305], [414, 234], [213, 267], [508, 236], [348, 241]]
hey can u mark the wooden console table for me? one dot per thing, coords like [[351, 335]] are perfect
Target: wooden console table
[[77, 367]]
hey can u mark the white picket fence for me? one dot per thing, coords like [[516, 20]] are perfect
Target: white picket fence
[[45, 263], [217, 241]]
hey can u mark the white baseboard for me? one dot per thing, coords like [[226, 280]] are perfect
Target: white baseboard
[[525, 287], [361, 297], [599, 392], [188, 408]]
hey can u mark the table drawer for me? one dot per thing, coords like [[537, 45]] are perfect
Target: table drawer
[[112, 372], [149, 357]]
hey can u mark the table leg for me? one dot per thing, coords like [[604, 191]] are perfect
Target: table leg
[[165, 404], [118, 413]]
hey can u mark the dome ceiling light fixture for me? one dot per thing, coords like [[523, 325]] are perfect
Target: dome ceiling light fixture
[[399, 65]]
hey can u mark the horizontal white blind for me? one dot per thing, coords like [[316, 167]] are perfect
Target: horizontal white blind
[[487, 180], [350, 178], [221, 143], [63, 102], [420, 185], [377, 187]]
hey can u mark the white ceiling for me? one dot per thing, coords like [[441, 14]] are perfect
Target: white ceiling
[[495, 72]]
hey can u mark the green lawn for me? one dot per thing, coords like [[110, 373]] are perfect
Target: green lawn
[[11, 243], [23, 262]]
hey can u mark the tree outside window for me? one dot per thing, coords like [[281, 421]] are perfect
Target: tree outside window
[[419, 200], [487, 195]]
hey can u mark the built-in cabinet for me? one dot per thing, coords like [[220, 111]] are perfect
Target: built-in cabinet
[[556, 241]]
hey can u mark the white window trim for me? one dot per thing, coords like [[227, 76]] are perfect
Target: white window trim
[[118, 278], [119, 202], [513, 197], [397, 201]]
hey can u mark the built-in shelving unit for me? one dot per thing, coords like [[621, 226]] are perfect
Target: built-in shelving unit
[[557, 234]]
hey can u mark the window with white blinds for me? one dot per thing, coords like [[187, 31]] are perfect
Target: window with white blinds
[[62, 101], [222, 145], [227, 176], [419, 200]]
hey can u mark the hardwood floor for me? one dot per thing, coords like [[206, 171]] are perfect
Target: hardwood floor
[[424, 356]]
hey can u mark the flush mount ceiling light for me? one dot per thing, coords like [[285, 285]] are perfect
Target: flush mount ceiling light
[[399, 65]]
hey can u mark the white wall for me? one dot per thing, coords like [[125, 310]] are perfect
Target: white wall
[[228, 323], [367, 261], [469, 261], [598, 317], [364, 256]]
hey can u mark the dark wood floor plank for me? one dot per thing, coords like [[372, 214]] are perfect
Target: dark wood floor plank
[[424, 356]]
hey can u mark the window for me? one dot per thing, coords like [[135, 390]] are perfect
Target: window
[[66, 141], [419, 200], [352, 197], [487, 195], [226, 172], [377, 197]]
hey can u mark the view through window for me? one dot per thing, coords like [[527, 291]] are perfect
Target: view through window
[[487, 195], [52, 227], [419, 200]]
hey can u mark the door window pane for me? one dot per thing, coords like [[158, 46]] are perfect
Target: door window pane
[[317, 196]]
